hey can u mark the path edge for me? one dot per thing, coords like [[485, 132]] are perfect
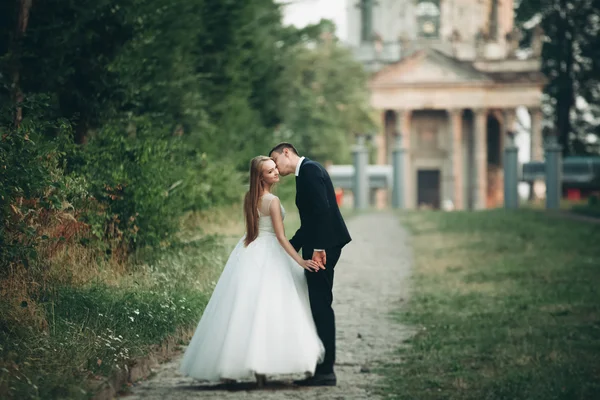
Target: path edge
[[138, 369]]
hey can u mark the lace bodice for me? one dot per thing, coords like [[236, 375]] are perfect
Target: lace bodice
[[265, 223]]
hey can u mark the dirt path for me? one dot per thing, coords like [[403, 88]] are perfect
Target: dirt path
[[370, 282]]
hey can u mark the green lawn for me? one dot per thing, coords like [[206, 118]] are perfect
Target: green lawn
[[591, 209], [507, 305]]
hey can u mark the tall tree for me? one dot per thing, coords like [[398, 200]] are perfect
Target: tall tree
[[570, 60], [327, 98], [19, 9]]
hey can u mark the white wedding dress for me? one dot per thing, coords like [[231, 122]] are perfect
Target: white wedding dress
[[258, 319]]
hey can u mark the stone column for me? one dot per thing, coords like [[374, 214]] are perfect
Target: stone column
[[403, 128], [554, 169], [509, 117], [536, 149], [480, 147], [381, 142], [447, 171], [510, 162], [381, 195], [456, 157]]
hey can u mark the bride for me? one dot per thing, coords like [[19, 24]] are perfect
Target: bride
[[258, 320]]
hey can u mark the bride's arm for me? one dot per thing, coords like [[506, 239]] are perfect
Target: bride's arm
[[276, 217]]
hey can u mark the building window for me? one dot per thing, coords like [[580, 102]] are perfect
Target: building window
[[366, 19], [428, 18]]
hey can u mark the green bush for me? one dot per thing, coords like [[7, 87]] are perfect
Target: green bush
[[143, 183], [131, 183], [31, 172]]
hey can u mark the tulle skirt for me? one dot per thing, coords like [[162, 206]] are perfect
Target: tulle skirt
[[258, 319]]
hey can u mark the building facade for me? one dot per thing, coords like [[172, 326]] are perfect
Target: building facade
[[447, 75]]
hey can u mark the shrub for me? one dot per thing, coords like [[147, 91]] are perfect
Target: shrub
[[142, 182], [33, 185]]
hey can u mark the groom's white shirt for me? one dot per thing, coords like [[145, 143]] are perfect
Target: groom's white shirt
[[298, 173], [299, 164]]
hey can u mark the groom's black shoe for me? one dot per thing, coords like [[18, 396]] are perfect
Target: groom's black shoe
[[319, 380]]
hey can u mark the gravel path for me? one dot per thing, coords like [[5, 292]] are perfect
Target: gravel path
[[371, 281]]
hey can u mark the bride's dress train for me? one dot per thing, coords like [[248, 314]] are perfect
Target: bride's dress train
[[258, 320]]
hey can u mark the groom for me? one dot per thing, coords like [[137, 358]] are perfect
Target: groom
[[321, 236]]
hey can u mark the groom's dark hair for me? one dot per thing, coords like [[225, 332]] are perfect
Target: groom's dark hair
[[283, 145]]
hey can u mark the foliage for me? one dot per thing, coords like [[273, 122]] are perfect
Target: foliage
[[328, 98], [31, 172], [66, 53], [571, 61], [131, 191], [170, 97], [506, 307], [240, 58], [142, 184]]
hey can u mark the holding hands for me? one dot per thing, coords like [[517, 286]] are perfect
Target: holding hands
[[311, 265], [317, 262], [320, 257]]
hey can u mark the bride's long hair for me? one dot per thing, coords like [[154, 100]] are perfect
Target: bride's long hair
[[252, 197]]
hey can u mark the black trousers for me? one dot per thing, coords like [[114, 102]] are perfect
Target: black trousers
[[320, 292]]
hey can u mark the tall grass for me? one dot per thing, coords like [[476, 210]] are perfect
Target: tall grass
[[81, 313]]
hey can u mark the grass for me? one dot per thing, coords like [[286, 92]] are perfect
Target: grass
[[589, 211], [540, 204], [508, 306], [591, 208], [78, 316]]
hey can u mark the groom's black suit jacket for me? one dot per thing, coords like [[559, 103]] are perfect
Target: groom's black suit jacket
[[321, 223]]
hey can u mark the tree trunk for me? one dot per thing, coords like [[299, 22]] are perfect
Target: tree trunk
[[565, 98], [24, 6]]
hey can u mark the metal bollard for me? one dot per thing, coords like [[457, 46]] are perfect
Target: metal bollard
[[361, 182], [511, 177], [553, 173], [398, 168]]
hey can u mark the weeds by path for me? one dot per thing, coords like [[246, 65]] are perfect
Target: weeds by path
[[68, 331]]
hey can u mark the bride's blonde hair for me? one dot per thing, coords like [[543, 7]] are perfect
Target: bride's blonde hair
[[252, 197]]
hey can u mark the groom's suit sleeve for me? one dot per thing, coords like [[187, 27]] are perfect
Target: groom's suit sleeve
[[315, 228], [297, 240]]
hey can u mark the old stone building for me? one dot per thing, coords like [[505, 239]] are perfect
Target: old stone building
[[447, 76]]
